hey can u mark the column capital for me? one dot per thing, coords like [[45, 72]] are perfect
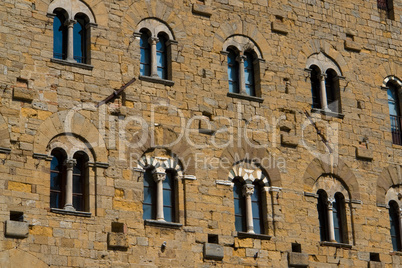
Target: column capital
[[241, 58], [323, 75], [153, 40], [70, 23], [159, 176], [70, 163], [330, 203], [248, 189]]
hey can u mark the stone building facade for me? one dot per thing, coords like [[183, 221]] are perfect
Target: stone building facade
[[200, 133]]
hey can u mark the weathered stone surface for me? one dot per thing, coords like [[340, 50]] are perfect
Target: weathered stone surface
[[213, 251], [17, 229], [297, 259], [117, 240]]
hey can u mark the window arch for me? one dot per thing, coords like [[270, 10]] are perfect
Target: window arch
[[156, 40], [325, 87], [393, 86], [386, 8], [243, 65], [72, 21], [332, 210], [69, 181], [160, 201], [249, 198]]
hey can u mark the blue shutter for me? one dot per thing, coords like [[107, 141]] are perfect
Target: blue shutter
[[394, 222], [323, 215], [256, 205], [233, 72], [145, 59], [149, 204], [169, 197], [249, 74], [59, 37], [79, 40], [56, 186], [240, 213], [161, 57]]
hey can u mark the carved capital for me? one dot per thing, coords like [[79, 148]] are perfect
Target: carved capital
[[70, 23], [248, 189], [70, 163], [158, 176], [153, 40]]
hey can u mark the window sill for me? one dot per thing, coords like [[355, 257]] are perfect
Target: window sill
[[328, 113], [156, 80], [245, 97], [255, 236], [163, 224], [396, 146], [335, 244], [69, 212], [398, 253], [73, 64]]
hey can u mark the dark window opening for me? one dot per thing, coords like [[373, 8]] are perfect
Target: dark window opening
[[296, 247], [322, 208], [16, 216], [315, 78], [213, 239], [394, 222]]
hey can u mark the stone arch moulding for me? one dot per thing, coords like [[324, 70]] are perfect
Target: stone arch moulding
[[240, 29], [163, 138], [390, 177], [233, 155], [140, 11], [70, 123], [155, 26], [72, 7], [323, 62], [242, 43], [316, 46], [317, 168], [388, 71], [392, 78]]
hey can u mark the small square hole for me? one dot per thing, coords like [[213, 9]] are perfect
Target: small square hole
[[16, 216], [117, 227], [296, 247], [213, 239], [374, 256]]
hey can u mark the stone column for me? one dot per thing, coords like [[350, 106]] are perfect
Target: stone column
[[323, 95], [154, 69], [70, 163], [331, 220], [242, 82], [159, 177], [248, 190], [70, 39]]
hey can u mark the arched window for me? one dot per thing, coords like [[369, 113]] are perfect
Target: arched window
[[395, 228], [145, 60], [161, 62], [339, 218], [59, 36], [79, 179], [315, 78], [249, 73], [169, 196], [256, 207], [57, 179], [386, 6], [394, 113], [322, 209], [149, 203], [80, 38], [240, 213], [332, 90], [233, 71], [69, 181]]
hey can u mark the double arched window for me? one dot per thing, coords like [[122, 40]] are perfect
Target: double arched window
[[325, 88], [393, 86], [160, 200], [155, 50], [69, 181], [243, 65], [249, 195], [71, 30]]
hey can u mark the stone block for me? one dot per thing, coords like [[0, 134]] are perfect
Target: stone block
[[297, 259], [364, 153], [375, 264], [23, 94], [279, 27], [351, 45], [202, 10], [117, 240], [213, 251], [289, 140], [17, 229]]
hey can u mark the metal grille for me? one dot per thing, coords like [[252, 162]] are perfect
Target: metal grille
[[396, 129]]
